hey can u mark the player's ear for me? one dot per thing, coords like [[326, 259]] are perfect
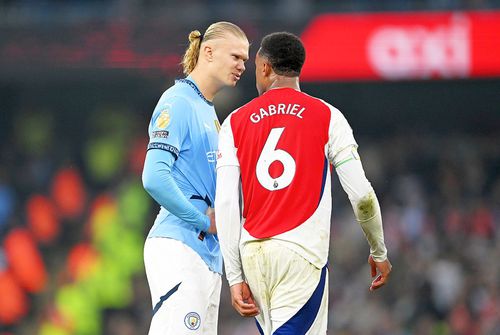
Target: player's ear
[[207, 52], [267, 69]]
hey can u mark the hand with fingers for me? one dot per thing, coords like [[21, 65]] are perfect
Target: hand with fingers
[[380, 272], [243, 301]]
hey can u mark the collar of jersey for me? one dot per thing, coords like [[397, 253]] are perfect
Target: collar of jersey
[[195, 88]]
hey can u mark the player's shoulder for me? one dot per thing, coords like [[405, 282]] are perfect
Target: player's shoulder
[[240, 112], [171, 109], [248, 106], [178, 93], [335, 112], [175, 100], [316, 100]]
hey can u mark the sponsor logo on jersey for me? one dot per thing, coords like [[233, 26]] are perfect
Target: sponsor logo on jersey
[[212, 156], [192, 320], [160, 134], [163, 119]]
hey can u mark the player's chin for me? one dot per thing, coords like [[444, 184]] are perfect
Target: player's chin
[[233, 80]]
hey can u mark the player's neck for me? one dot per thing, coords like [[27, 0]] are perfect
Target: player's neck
[[285, 82], [205, 85]]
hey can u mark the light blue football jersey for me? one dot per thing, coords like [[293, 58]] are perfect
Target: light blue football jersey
[[185, 124]]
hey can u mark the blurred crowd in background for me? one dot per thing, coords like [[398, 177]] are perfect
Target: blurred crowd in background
[[194, 11], [74, 215]]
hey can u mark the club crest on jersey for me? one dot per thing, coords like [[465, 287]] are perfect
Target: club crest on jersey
[[192, 320], [163, 119]]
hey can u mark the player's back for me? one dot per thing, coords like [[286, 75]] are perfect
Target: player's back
[[280, 139]]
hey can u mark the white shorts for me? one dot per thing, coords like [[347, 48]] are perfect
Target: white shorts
[[185, 293], [292, 294]]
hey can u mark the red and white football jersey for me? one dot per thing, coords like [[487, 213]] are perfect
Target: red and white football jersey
[[283, 142]]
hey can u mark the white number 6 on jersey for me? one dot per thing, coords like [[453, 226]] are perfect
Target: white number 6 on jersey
[[269, 155]]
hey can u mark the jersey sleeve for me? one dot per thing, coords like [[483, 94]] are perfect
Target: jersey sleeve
[[365, 205], [340, 137], [226, 155], [158, 181], [169, 125], [227, 218]]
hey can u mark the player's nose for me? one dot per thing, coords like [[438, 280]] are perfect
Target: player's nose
[[241, 66]]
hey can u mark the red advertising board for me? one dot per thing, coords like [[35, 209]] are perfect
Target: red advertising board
[[397, 46]]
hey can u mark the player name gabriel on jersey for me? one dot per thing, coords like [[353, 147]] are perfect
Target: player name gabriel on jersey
[[290, 109]]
